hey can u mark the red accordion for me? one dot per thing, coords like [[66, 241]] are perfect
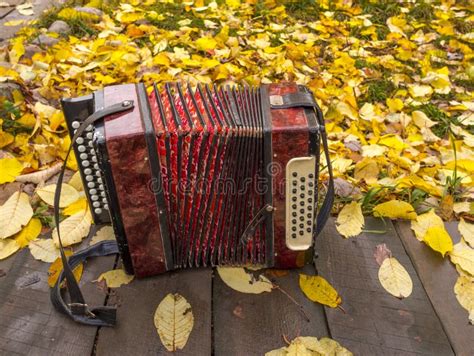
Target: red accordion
[[203, 176]]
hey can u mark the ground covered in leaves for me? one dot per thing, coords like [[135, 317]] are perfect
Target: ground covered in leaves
[[394, 81]]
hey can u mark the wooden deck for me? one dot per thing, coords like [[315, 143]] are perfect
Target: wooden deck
[[227, 322]]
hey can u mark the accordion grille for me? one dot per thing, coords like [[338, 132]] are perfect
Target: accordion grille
[[210, 148]]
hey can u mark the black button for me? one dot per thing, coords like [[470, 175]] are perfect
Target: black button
[[302, 195], [309, 216], [301, 225], [302, 211], [311, 175], [310, 207], [301, 232], [308, 222], [294, 214], [308, 229], [302, 187], [295, 174], [310, 200], [293, 236], [310, 192], [302, 203], [295, 183], [293, 198], [310, 184], [302, 179], [301, 218], [293, 228], [293, 221], [294, 191], [294, 206]]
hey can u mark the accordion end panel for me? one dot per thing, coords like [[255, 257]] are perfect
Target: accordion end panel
[[132, 175]]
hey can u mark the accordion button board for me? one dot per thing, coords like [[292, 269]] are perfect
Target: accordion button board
[[300, 202]]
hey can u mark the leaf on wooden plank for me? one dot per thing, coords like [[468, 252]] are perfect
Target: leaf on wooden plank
[[463, 256], [68, 194], [29, 233], [446, 207], [311, 346], [467, 231], [115, 278], [105, 233], [238, 279], [14, 214], [74, 228], [381, 253], [56, 268], [317, 289], [76, 207], [438, 239], [8, 247], [76, 181], [395, 209], [40, 176], [464, 290], [44, 250], [174, 321], [350, 220], [10, 168], [423, 222], [394, 278]]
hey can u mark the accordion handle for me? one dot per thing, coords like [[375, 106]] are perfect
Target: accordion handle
[[256, 220], [77, 309]]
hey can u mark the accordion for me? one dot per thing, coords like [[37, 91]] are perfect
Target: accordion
[[204, 175]]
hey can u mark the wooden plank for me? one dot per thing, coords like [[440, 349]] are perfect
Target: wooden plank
[[439, 276], [28, 322], [373, 321], [249, 324], [135, 332]]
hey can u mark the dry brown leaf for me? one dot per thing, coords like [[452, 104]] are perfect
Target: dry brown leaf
[[381, 253], [40, 176]]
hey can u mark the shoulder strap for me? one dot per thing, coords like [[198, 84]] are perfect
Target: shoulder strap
[[77, 309]]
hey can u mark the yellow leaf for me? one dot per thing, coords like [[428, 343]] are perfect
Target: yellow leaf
[[368, 170], [8, 247], [233, 3], [14, 214], [423, 222], [467, 231], [17, 50], [394, 105], [438, 239], [241, 281], [106, 233], [56, 268], [311, 346], [5, 138], [373, 150], [464, 290], [10, 168], [394, 278], [206, 44], [392, 141], [317, 289], [464, 164], [115, 278], [29, 233], [76, 181], [44, 250], [76, 207], [350, 220], [68, 194], [74, 228], [463, 256], [395, 209], [419, 91], [174, 321], [421, 120], [13, 23]]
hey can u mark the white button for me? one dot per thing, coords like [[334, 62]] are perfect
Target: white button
[[74, 131], [94, 158], [96, 166], [81, 148], [102, 194], [97, 173], [106, 206], [89, 135], [94, 198], [93, 191], [85, 163], [99, 180], [91, 185], [89, 128], [83, 156], [104, 200], [75, 124], [96, 204], [89, 178], [87, 171], [90, 144], [79, 140], [92, 152], [101, 187], [98, 210]]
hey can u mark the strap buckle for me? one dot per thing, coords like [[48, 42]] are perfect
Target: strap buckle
[[81, 309]]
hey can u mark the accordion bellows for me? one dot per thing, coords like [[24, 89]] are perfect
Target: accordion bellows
[[201, 176]]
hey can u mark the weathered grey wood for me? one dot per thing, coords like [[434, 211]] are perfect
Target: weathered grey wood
[[29, 325], [439, 276], [374, 322], [135, 332], [249, 324]]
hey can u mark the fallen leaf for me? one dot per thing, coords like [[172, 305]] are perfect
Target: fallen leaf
[[68, 194], [74, 228], [446, 207], [311, 346], [394, 278], [241, 281], [438, 239], [25, 9], [350, 220], [56, 268], [395, 209], [174, 321], [8, 247], [13, 23], [381, 253], [44, 250], [464, 290], [76, 181], [467, 231], [463, 256], [14, 214], [115, 278], [423, 222], [105, 233], [10, 168], [29, 233], [40, 176], [317, 289], [76, 207]]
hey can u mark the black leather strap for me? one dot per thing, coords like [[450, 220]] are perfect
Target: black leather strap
[[77, 309], [293, 100]]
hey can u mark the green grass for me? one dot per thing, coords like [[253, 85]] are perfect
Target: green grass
[[304, 10], [380, 10], [441, 129], [422, 12], [377, 91], [173, 13]]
